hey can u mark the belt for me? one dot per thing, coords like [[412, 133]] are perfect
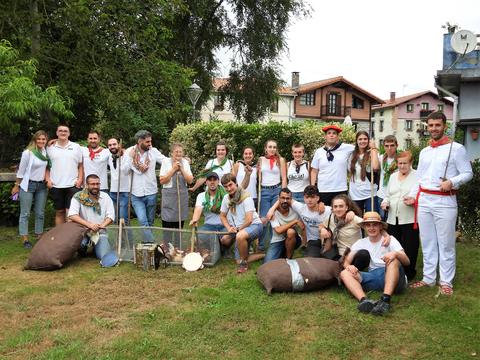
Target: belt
[[271, 187], [34, 181], [431, 192]]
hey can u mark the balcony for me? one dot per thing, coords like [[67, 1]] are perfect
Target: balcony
[[340, 111], [425, 113]]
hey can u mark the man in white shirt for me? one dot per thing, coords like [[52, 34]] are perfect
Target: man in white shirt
[[329, 165], [239, 217], [94, 209], [385, 272], [119, 165], [285, 237], [95, 159], [143, 159], [66, 174], [388, 165], [442, 168]]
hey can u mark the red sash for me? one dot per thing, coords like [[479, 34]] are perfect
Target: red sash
[[431, 192]]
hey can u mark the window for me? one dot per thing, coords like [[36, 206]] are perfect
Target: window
[[408, 143], [425, 106], [334, 104], [274, 106], [357, 103], [373, 114], [381, 113], [307, 99], [409, 107], [373, 125], [381, 126], [381, 142], [218, 102], [440, 107], [408, 125]]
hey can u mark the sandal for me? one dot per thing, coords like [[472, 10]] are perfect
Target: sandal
[[418, 284], [446, 290]]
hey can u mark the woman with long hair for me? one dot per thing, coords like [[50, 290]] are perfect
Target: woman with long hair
[[363, 157], [30, 185], [245, 171]]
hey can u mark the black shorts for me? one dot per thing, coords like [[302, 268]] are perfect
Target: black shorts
[[62, 196], [327, 197]]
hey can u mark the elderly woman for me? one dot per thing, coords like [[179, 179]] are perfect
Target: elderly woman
[[401, 216]]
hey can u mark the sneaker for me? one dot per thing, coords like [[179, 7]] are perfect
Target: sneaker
[[381, 308], [27, 244], [242, 267], [366, 306]]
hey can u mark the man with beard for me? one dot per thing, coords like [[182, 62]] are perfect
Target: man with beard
[[94, 209], [285, 237], [119, 166], [95, 159], [388, 166]]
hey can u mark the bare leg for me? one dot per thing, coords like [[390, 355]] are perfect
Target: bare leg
[[352, 283], [290, 242], [59, 217], [391, 277]]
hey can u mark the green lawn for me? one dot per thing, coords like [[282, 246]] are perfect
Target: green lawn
[[86, 312]]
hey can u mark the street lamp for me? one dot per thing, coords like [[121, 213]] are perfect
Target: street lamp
[[194, 91]]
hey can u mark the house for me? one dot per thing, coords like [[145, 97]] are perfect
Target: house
[[332, 100], [217, 107], [460, 76], [403, 117]]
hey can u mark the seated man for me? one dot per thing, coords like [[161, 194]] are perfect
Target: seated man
[[385, 272], [285, 238], [94, 209], [239, 217]]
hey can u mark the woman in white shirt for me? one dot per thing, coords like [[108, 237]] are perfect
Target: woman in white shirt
[[401, 217], [246, 172], [30, 185], [175, 175], [362, 158], [298, 172]]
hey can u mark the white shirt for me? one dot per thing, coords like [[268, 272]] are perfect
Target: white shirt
[[167, 165], [87, 213], [237, 219], [381, 189], [252, 185], [431, 167], [278, 220], [144, 184], [311, 219], [222, 170], [97, 166], [376, 250], [210, 217], [394, 194], [125, 173], [65, 161], [297, 182], [360, 189], [270, 177], [31, 168], [332, 175]]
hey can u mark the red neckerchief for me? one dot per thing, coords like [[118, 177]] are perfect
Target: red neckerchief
[[442, 141], [273, 159], [93, 153]]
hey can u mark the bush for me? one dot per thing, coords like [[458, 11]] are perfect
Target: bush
[[469, 207]]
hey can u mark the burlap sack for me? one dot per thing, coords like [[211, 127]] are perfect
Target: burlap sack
[[315, 273], [56, 247]]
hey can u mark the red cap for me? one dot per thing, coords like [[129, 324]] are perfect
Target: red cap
[[338, 129]]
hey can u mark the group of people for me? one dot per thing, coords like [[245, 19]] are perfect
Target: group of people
[[349, 202]]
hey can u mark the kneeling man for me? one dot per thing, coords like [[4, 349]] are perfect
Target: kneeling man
[[385, 272], [94, 209], [239, 217]]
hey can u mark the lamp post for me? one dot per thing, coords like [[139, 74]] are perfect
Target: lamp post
[[194, 91]]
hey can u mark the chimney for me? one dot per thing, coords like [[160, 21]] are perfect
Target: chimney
[[392, 96], [295, 79]]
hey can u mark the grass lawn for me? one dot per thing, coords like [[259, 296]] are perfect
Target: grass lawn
[[86, 312]]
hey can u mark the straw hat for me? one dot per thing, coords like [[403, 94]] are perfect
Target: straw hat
[[373, 217]]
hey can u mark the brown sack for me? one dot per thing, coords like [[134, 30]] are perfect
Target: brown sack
[[56, 247], [317, 273]]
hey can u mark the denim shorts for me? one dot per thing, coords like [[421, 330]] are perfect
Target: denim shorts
[[375, 280]]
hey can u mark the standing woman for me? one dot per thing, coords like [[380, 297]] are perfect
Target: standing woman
[[220, 165], [362, 158], [400, 215], [31, 185], [298, 172], [272, 172], [175, 175], [246, 172]]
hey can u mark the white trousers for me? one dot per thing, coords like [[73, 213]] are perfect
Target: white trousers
[[437, 235]]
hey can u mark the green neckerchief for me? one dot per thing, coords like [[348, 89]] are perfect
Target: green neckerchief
[[84, 198], [214, 167], [388, 169], [237, 199], [217, 200], [42, 157]]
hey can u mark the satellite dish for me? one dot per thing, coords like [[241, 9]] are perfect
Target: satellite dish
[[463, 42]]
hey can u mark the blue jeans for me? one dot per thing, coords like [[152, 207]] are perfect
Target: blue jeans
[[366, 205], [254, 231], [145, 207], [103, 251], [277, 250], [37, 193], [375, 280], [298, 196], [380, 210], [122, 207], [204, 239], [268, 198]]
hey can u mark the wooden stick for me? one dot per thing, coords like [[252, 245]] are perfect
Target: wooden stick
[[118, 183], [372, 183]]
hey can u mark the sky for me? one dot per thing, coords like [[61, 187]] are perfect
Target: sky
[[381, 46]]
